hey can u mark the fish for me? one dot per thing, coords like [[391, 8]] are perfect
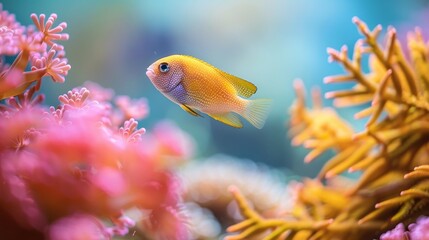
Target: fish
[[198, 87]]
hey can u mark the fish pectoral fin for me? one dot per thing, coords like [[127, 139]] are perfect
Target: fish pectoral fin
[[244, 88], [230, 119], [189, 110]]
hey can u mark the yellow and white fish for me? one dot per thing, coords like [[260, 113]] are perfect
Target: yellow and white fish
[[198, 86]]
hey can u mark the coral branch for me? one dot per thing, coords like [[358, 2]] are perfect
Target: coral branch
[[391, 152], [254, 223]]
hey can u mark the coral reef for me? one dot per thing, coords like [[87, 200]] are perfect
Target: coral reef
[[83, 169], [391, 153], [211, 208]]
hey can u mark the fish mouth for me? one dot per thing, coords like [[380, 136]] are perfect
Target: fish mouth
[[150, 73]]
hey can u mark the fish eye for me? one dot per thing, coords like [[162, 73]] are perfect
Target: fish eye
[[163, 67]]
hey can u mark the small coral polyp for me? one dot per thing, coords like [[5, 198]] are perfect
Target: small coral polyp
[[391, 153], [36, 49], [75, 171]]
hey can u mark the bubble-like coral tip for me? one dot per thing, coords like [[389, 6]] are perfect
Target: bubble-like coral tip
[[388, 72], [331, 51], [330, 174], [298, 84], [355, 19], [308, 159], [378, 28], [33, 17], [357, 116], [295, 142], [375, 102], [334, 55], [233, 189], [359, 43], [391, 30], [329, 95], [310, 144], [327, 79]]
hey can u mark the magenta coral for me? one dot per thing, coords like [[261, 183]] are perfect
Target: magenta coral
[[38, 49], [76, 170], [420, 229], [65, 164], [398, 233], [416, 231]]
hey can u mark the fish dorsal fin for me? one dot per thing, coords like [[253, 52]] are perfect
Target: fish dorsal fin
[[244, 88], [189, 110]]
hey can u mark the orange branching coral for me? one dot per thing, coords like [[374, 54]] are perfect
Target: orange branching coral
[[391, 153]]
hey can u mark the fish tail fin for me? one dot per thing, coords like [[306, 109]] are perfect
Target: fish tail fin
[[256, 111]]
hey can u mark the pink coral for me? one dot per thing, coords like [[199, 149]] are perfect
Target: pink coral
[[131, 108], [78, 226], [168, 140], [50, 34], [74, 171], [416, 231], [420, 230], [37, 50], [65, 164], [55, 65], [398, 233], [9, 31]]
